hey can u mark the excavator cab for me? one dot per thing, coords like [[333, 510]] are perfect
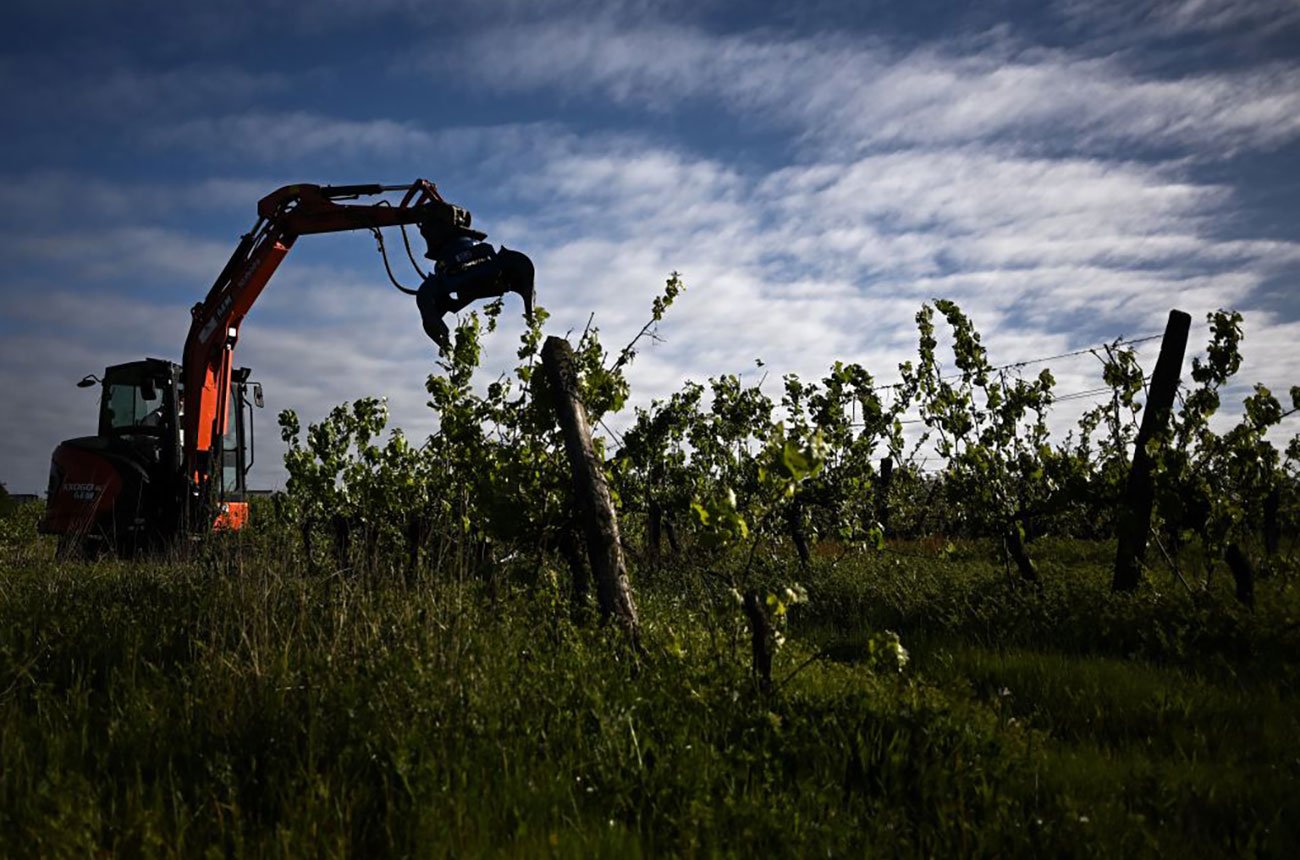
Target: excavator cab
[[123, 489], [140, 405]]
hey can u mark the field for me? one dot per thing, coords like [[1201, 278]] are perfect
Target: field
[[246, 702]]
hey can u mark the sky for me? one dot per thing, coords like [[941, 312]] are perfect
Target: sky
[[1067, 171]]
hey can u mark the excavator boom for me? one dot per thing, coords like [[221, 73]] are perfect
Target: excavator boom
[[283, 216]]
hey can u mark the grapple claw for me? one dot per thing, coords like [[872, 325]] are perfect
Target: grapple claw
[[467, 271], [518, 273]]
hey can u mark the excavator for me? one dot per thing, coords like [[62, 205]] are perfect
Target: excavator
[[175, 442]]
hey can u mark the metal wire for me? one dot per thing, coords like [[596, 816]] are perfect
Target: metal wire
[[1029, 361]]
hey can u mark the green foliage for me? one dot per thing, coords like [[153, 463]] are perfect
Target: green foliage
[[990, 430], [18, 539], [160, 709], [885, 652], [1213, 485], [719, 520]]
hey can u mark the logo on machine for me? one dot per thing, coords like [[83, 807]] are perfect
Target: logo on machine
[[211, 325], [84, 492]]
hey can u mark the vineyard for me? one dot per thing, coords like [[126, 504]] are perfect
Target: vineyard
[[907, 615]]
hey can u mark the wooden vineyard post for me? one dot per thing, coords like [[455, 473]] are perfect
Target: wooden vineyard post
[[670, 531], [882, 492], [1015, 543], [762, 639], [570, 546], [797, 533], [1133, 528], [1243, 574], [595, 505], [654, 532]]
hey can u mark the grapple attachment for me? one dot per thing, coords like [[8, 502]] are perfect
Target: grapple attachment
[[467, 271]]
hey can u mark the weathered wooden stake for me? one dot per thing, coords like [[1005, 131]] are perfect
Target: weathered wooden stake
[[794, 519], [1243, 574], [671, 531], [595, 505], [761, 639], [1134, 521], [570, 546], [342, 531], [1015, 544], [882, 492]]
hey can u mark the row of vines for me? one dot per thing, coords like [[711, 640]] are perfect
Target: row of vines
[[748, 476]]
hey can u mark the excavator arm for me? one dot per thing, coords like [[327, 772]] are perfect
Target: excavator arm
[[299, 210]]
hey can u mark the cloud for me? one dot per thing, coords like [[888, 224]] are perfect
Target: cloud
[[274, 136], [855, 94], [53, 198], [142, 255], [103, 90], [324, 143], [514, 10], [1166, 17], [817, 262]]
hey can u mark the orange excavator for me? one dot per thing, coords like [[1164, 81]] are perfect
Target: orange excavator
[[175, 442]]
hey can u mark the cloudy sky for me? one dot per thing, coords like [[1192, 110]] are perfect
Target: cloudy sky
[[1068, 171]]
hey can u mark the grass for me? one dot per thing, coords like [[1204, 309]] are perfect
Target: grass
[[240, 705]]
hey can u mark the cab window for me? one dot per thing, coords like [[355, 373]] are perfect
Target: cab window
[[231, 479], [128, 406]]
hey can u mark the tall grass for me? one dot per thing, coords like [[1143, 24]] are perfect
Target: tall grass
[[239, 703]]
